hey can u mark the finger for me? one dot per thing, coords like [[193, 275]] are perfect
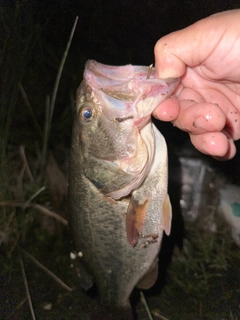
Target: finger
[[168, 110], [216, 144], [200, 118], [190, 46], [180, 49], [167, 64], [222, 98]]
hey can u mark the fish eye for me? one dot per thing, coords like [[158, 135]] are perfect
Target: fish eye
[[87, 113]]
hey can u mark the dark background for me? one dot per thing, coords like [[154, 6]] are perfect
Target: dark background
[[33, 37]]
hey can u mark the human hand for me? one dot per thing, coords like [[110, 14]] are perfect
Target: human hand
[[206, 56]]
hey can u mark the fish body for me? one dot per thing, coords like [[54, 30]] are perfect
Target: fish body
[[118, 179]]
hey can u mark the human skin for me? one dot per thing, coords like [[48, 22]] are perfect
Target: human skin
[[206, 104]]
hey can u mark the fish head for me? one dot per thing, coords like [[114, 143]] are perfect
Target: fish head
[[104, 132], [114, 105], [127, 91]]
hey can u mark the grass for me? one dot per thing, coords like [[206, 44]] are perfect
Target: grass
[[21, 190], [203, 281]]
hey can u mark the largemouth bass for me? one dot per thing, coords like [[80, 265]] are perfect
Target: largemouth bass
[[118, 179]]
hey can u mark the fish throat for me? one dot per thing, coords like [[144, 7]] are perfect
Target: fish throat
[[136, 168]]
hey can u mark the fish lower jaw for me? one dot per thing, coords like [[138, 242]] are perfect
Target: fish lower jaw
[[129, 188], [142, 122]]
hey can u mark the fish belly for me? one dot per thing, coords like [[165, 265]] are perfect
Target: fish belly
[[99, 226]]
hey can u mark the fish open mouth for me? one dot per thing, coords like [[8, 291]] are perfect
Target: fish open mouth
[[128, 91]]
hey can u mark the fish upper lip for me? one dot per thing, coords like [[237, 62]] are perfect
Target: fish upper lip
[[128, 92]]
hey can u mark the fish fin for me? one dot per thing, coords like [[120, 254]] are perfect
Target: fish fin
[[150, 277], [167, 215], [135, 220]]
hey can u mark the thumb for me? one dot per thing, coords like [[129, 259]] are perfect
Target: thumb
[[192, 45], [168, 61]]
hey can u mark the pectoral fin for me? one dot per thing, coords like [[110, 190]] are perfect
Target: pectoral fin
[[148, 280], [167, 215], [135, 220]]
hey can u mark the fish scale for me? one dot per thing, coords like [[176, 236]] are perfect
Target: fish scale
[[118, 198]]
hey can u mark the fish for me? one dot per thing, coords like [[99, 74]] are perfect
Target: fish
[[118, 176]]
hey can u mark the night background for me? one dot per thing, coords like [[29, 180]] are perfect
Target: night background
[[202, 281]]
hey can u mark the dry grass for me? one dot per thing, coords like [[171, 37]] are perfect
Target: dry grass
[[24, 192]]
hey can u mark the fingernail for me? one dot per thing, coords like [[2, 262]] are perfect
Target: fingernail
[[227, 134], [168, 73]]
